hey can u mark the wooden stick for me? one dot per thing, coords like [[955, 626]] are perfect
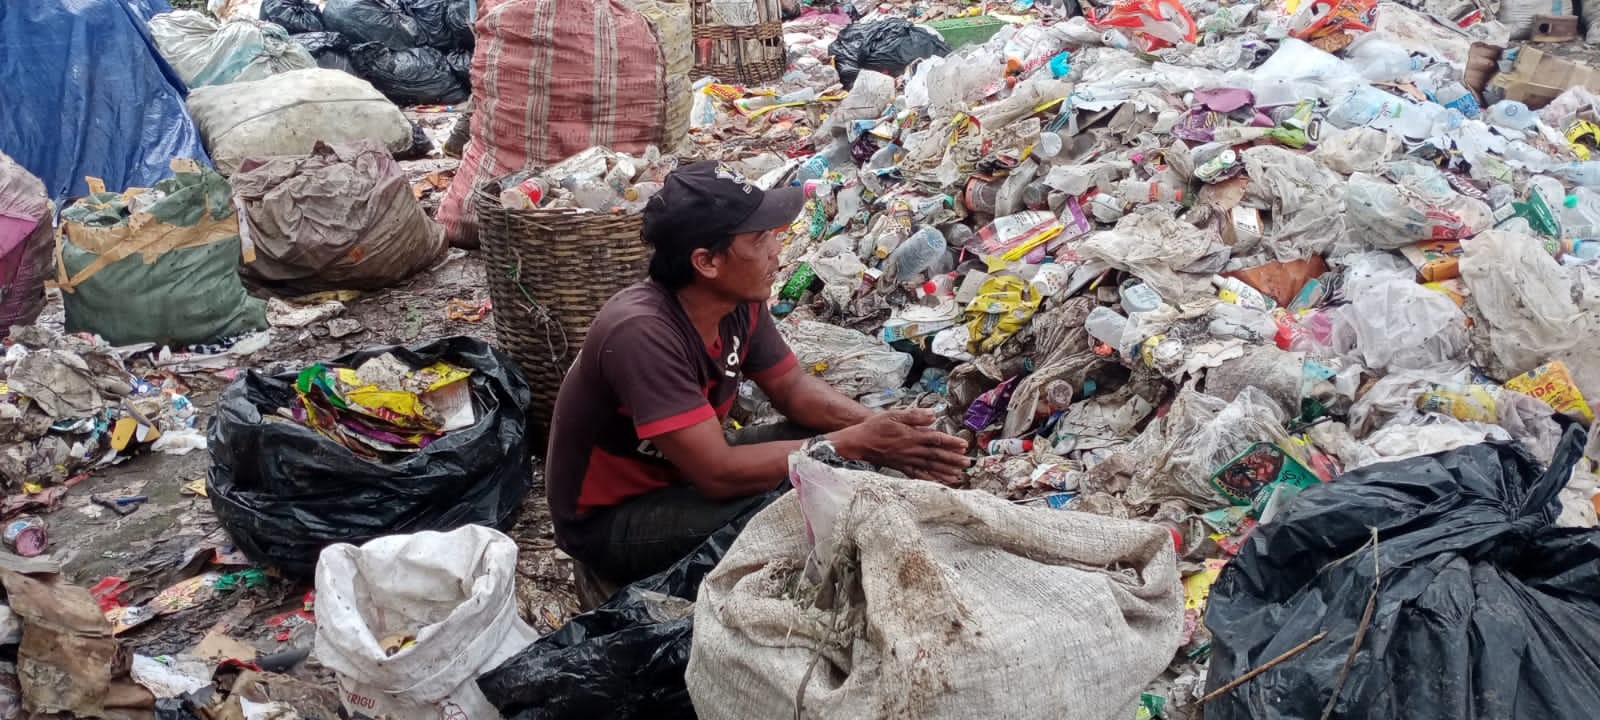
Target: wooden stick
[[1361, 632], [1268, 665]]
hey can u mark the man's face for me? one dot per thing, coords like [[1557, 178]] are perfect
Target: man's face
[[748, 269]]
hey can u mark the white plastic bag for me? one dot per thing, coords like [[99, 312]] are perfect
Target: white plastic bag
[[852, 362], [1390, 216], [1306, 200], [935, 604], [453, 592], [1391, 322], [206, 53], [1527, 313], [287, 114]]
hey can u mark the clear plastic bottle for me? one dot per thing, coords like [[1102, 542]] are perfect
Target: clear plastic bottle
[[1512, 114], [1580, 214], [594, 194], [1586, 173], [916, 254], [1142, 192], [1106, 325]]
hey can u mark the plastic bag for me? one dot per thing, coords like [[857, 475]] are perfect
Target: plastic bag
[[1198, 436], [1531, 309], [852, 362], [294, 16], [414, 76], [1391, 322], [288, 114], [453, 592], [445, 24], [284, 492], [932, 603], [623, 660], [1480, 601], [340, 218], [330, 49], [205, 53], [1360, 149], [1303, 197], [379, 21], [885, 46], [26, 242], [167, 274], [1389, 216]]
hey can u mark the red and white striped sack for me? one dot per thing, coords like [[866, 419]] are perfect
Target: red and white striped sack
[[551, 78]]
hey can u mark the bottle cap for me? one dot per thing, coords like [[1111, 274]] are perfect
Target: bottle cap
[[1571, 201]]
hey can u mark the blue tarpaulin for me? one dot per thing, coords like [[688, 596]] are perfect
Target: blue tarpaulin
[[87, 94]]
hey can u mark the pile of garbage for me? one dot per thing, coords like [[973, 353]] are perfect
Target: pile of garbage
[[382, 405], [68, 404], [1183, 263], [416, 52]]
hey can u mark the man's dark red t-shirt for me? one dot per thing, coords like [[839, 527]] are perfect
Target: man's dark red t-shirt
[[644, 371]]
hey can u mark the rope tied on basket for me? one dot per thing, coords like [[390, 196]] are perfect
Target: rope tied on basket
[[540, 314]]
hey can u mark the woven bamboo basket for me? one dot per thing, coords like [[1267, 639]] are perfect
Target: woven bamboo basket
[[739, 41], [549, 272]]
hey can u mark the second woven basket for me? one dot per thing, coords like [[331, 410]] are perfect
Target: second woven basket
[[549, 273]]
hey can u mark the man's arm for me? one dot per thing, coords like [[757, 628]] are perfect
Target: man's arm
[[899, 439], [810, 402]]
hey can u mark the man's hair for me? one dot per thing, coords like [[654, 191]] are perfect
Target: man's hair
[[672, 262]]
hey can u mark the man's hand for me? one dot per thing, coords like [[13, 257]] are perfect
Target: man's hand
[[903, 440]]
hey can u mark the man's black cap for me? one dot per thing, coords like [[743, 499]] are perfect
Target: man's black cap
[[708, 201]]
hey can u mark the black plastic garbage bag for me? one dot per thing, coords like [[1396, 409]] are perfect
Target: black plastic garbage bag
[[623, 660], [460, 64], [295, 16], [330, 49], [885, 46], [417, 76], [446, 24], [380, 21], [1485, 610], [284, 492]]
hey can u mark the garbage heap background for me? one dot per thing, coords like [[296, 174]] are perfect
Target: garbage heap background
[[1179, 271]]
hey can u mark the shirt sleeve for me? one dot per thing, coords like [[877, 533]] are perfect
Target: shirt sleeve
[[769, 356], [643, 362]]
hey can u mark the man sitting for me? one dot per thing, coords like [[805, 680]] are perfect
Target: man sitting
[[639, 469]]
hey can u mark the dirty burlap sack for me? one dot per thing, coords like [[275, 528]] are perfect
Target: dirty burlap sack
[[164, 270], [341, 218], [924, 602]]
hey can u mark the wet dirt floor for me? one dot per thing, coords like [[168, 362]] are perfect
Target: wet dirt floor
[[152, 547]]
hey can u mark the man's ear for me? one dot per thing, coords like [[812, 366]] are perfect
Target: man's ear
[[705, 262]]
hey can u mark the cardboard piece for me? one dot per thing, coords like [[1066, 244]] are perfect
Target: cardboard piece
[[1555, 28], [217, 646], [1538, 77]]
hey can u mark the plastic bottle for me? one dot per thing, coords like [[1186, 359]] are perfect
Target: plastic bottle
[[595, 195], [848, 205], [1580, 214], [638, 195], [917, 253], [1137, 297], [1106, 325], [1452, 94], [525, 195], [1140, 192], [1010, 446], [884, 158], [1237, 292], [1586, 173], [1512, 114]]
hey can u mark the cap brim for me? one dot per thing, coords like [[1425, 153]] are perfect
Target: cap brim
[[778, 208]]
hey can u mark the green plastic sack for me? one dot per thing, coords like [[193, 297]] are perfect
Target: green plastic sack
[[167, 273]]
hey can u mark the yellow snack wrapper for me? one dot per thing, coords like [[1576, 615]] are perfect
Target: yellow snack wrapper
[[1474, 403], [1003, 305], [1552, 383]]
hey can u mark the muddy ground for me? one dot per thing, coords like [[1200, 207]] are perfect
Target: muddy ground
[[152, 547]]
